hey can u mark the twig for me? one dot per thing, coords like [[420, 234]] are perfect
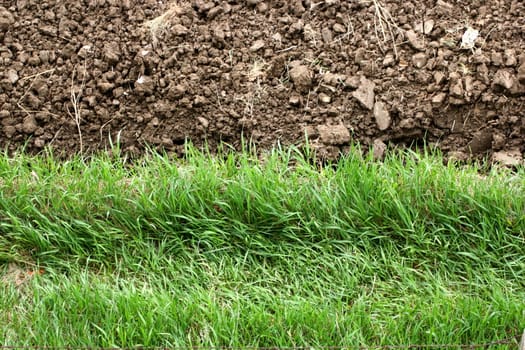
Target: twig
[[35, 111], [287, 49], [34, 77], [102, 128], [349, 31], [55, 136], [75, 101], [386, 23], [38, 74]]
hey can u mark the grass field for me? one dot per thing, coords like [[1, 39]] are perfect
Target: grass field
[[234, 250]]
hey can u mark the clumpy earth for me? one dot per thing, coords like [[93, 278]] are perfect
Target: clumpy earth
[[82, 75]]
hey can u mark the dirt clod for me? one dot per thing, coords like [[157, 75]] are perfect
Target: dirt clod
[[295, 100], [29, 126], [382, 116], [439, 98], [12, 76], [145, 85], [419, 60], [334, 134], [509, 158], [415, 41], [324, 98], [6, 19], [481, 142], [159, 73], [504, 78], [257, 45], [365, 93], [379, 149], [521, 73], [425, 27], [302, 77]]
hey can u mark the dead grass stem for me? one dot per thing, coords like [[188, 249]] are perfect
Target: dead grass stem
[[158, 25], [76, 96], [384, 26]]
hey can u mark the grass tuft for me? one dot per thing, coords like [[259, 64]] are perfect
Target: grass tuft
[[235, 250]]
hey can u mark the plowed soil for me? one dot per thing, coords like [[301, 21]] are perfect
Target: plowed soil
[[79, 75]]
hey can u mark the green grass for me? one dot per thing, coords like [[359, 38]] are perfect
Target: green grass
[[234, 250]]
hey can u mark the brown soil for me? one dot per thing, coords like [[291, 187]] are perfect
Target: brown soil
[[85, 73]]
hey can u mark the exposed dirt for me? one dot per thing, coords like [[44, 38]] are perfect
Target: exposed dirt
[[82, 74]]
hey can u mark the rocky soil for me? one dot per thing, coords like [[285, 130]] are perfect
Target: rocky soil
[[79, 75]]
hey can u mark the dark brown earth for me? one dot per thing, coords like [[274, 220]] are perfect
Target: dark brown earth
[[78, 75]]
